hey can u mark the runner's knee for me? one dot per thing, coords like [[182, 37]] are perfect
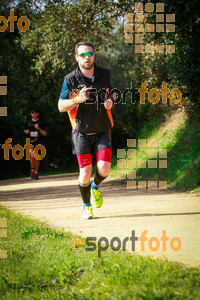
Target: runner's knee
[[85, 174], [32, 155], [103, 168]]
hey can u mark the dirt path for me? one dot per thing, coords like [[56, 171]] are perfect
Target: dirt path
[[56, 200]]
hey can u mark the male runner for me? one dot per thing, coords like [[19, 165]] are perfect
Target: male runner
[[34, 129], [91, 120]]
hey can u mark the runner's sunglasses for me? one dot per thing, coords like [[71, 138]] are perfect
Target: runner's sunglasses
[[86, 54]]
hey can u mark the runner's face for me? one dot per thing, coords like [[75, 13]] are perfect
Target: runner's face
[[85, 62], [34, 114]]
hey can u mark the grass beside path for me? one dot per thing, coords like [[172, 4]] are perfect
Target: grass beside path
[[41, 265], [180, 136]]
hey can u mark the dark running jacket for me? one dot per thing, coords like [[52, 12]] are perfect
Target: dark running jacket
[[91, 116]]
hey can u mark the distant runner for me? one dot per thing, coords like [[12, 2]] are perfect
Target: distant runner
[[91, 120], [35, 130]]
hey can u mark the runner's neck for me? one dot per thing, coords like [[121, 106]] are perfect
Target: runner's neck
[[35, 119], [87, 73]]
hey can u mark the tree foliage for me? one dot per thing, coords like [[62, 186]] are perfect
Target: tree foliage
[[37, 60]]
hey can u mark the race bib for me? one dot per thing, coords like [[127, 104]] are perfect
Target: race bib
[[33, 133]]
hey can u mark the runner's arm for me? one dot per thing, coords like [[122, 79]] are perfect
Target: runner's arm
[[42, 131], [66, 104], [111, 97], [26, 130]]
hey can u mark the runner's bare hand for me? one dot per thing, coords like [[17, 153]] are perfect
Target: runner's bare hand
[[108, 104], [83, 95]]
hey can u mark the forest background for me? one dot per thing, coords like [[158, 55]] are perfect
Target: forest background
[[36, 61]]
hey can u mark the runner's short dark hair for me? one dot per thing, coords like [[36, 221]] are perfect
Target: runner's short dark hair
[[83, 44], [35, 109]]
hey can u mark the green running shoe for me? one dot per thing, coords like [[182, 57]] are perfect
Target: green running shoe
[[87, 213], [96, 198]]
